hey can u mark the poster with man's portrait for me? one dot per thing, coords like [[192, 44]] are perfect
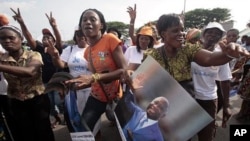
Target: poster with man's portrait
[[184, 117]]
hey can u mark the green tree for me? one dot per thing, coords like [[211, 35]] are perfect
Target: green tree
[[201, 17], [122, 27]]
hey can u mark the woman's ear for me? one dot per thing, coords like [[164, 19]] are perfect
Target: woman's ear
[[162, 34]]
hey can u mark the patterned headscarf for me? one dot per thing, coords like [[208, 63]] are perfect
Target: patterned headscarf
[[193, 33]]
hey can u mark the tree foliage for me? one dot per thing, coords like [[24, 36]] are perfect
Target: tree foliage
[[201, 17], [122, 27]]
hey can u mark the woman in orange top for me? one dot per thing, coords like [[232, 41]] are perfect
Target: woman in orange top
[[106, 61]]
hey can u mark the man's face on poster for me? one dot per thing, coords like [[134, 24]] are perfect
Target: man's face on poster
[[157, 108]]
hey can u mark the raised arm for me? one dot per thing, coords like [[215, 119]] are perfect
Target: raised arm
[[57, 34], [132, 14], [55, 55], [230, 51], [17, 17]]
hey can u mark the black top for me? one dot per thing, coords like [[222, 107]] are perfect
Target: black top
[[48, 68]]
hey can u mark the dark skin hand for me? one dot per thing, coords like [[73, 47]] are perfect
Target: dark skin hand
[[132, 15], [51, 19], [226, 49], [17, 17]]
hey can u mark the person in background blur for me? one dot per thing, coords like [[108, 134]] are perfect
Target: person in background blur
[[118, 34], [237, 64], [244, 89], [193, 36], [243, 39], [144, 40], [114, 31], [133, 36]]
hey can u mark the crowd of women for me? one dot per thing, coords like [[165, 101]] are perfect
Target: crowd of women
[[100, 65]]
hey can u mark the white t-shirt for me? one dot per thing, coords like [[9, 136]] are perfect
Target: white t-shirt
[[204, 79], [159, 45], [133, 56], [3, 81], [73, 56], [77, 64]]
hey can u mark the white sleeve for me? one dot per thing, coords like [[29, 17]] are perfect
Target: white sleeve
[[127, 54], [133, 56]]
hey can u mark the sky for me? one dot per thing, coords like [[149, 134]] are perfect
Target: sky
[[68, 12]]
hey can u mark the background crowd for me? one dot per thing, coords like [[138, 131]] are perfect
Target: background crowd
[[210, 63]]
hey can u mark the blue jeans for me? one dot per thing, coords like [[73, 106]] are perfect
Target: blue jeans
[[56, 104], [93, 111]]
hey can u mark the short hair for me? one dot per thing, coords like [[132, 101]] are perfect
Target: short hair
[[101, 16], [116, 30], [244, 36], [166, 21], [165, 100], [234, 30]]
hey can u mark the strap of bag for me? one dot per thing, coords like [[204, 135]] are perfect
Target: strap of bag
[[94, 71]]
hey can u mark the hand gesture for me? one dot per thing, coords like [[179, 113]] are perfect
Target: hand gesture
[[132, 12], [51, 19], [233, 50], [50, 48], [82, 81], [17, 17]]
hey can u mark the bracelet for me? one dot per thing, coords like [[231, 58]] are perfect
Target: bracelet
[[96, 77]]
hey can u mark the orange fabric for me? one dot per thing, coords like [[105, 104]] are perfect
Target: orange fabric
[[3, 20], [146, 30], [193, 33], [102, 59]]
